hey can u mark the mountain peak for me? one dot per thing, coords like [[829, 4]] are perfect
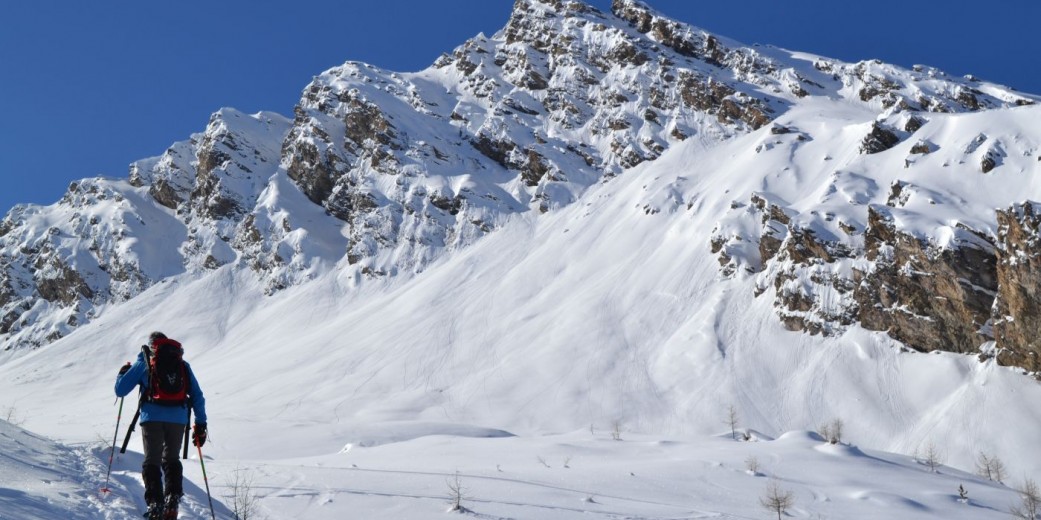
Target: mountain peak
[[628, 8], [559, 7]]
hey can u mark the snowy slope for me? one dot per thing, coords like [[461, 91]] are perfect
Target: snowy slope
[[404, 471], [428, 310], [41, 479], [600, 313]]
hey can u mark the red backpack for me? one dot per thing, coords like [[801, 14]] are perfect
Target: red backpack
[[167, 376]]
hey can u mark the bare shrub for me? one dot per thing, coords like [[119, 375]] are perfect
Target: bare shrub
[[777, 499], [752, 464], [11, 415], [1029, 507], [731, 421], [457, 492], [932, 457], [990, 467], [832, 431], [242, 497]]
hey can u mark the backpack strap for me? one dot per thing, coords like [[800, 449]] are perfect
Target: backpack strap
[[142, 388]]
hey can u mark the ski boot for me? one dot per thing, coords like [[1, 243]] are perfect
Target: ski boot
[[170, 512], [154, 511]]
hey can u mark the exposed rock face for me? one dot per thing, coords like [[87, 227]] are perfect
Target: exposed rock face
[[991, 159], [953, 299], [927, 298], [58, 283], [63, 273], [879, 140], [1017, 313], [882, 84]]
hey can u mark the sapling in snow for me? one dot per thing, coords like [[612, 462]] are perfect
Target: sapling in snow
[[242, 496], [932, 457], [1029, 507], [752, 465], [990, 467], [833, 431], [457, 492], [777, 500], [731, 421], [616, 430]]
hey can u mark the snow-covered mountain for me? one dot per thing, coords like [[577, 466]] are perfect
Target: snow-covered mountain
[[413, 165], [585, 219]]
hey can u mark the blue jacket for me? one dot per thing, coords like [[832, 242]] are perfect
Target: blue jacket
[[137, 376]]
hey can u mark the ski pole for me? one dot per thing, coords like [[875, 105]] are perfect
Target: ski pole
[[112, 453], [187, 426], [207, 482], [140, 402], [130, 430]]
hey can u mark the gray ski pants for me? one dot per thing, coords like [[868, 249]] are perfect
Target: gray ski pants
[[162, 442]]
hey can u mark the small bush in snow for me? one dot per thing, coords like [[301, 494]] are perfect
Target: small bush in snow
[[457, 492], [990, 467], [777, 500], [1029, 507], [241, 496], [932, 457], [752, 465], [731, 421], [12, 416], [832, 431]]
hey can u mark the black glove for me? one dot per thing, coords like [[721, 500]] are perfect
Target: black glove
[[199, 434], [124, 369]]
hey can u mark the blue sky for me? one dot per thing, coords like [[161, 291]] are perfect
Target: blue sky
[[88, 87]]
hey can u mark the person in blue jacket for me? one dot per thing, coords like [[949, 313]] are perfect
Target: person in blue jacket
[[164, 417]]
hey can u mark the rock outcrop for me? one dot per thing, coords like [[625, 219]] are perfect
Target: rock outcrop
[[955, 298], [1017, 311], [929, 298]]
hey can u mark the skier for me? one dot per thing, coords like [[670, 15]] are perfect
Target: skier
[[168, 388]]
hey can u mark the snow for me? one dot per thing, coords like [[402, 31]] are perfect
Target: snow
[[403, 471], [346, 397], [514, 358], [41, 479]]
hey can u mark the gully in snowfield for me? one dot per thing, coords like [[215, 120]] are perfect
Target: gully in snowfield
[[169, 393]]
